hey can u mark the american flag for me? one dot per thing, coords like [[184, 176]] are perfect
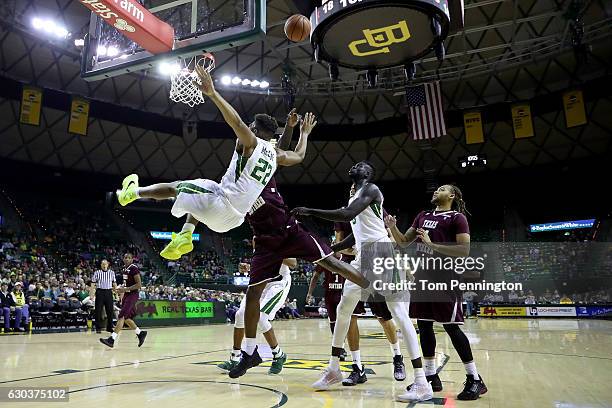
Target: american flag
[[426, 113]]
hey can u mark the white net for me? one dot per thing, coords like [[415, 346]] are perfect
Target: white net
[[183, 80]]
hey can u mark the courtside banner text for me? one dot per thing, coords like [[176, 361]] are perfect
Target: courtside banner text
[[164, 309]]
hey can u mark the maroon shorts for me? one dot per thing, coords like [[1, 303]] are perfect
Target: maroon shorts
[[128, 306], [270, 250], [331, 303], [441, 312]]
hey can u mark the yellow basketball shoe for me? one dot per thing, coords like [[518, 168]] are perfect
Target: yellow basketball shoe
[[127, 194], [180, 244]]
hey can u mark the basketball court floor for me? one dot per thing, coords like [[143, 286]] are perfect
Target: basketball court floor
[[525, 363]]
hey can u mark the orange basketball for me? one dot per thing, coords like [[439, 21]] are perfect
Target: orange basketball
[[297, 28]]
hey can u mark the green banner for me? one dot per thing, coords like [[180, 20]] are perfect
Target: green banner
[[166, 309]]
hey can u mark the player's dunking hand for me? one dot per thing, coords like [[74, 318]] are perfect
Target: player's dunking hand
[[207, 86], [390, 221], [308, 123], [293, 118], [301, 211]]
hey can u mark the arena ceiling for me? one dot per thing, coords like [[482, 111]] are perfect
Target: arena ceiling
[[510, 50]]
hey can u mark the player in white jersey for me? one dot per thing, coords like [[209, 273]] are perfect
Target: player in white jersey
[[371, 240], [223, 206], [272, 299]]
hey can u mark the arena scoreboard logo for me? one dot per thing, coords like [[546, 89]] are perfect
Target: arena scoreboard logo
[[373, 34], [378, 40]]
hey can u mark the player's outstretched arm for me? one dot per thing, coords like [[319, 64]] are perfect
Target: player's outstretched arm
[[291, 158], [313, 283], [284, 141], [368, 195], [406, 238], [231, 117]]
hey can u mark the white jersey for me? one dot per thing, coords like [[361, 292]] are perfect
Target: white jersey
[[246, 177], [368, 226]]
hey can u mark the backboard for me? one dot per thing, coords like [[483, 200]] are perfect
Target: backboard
[[199, 26]]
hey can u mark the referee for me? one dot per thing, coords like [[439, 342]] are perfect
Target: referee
[[104, 282]]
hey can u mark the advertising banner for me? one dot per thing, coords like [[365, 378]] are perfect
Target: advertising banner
[[552, 311], [502, 311]]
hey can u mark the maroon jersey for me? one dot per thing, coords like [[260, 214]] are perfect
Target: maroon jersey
[[332, 282], [269, 214], [129, 274], [443, 226]]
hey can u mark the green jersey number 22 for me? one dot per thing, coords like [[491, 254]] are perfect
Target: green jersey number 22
[[262, 171]]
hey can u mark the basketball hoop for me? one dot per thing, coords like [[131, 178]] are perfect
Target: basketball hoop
[[182, 86]]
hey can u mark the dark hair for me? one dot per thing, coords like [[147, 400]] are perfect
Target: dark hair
[[373, 172], [458, 203], [266, 122]]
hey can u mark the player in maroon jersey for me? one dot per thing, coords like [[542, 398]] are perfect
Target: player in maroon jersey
[[333, 285], [443, 231], [278, 235], [133, 283]]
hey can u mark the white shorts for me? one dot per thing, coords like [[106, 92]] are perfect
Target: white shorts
[[204, 199], [272, 299]]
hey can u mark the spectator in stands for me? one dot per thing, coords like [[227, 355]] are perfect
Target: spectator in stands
[[555, 298], [513, 297], [21, 307], [468, 297], [6, 305], [294, 310], [530, 299]]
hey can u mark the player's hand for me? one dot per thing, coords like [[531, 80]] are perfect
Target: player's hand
[[207, 86], [244, 267], [303, 211], [308, 123], [120, 290], [293, 118], [424, 235], [390, 221]]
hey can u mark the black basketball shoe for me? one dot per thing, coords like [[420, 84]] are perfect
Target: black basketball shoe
[[472, 389], [399, 370], [434, 380], [357, 376], [108, 342], [245, 363], [141, 337]]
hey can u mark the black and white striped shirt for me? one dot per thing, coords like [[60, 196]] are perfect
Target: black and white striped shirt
[[104, 279]]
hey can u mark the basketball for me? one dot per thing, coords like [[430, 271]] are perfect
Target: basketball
[[297, 28]]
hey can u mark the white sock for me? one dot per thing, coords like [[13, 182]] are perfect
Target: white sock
[[430, 366], [114, 335], [137, 331], [188, 227], [395, 348], [356, 356], [334, 363], [235, 356], [419, 376], [470, 368], [277, 349], [249, 345]]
